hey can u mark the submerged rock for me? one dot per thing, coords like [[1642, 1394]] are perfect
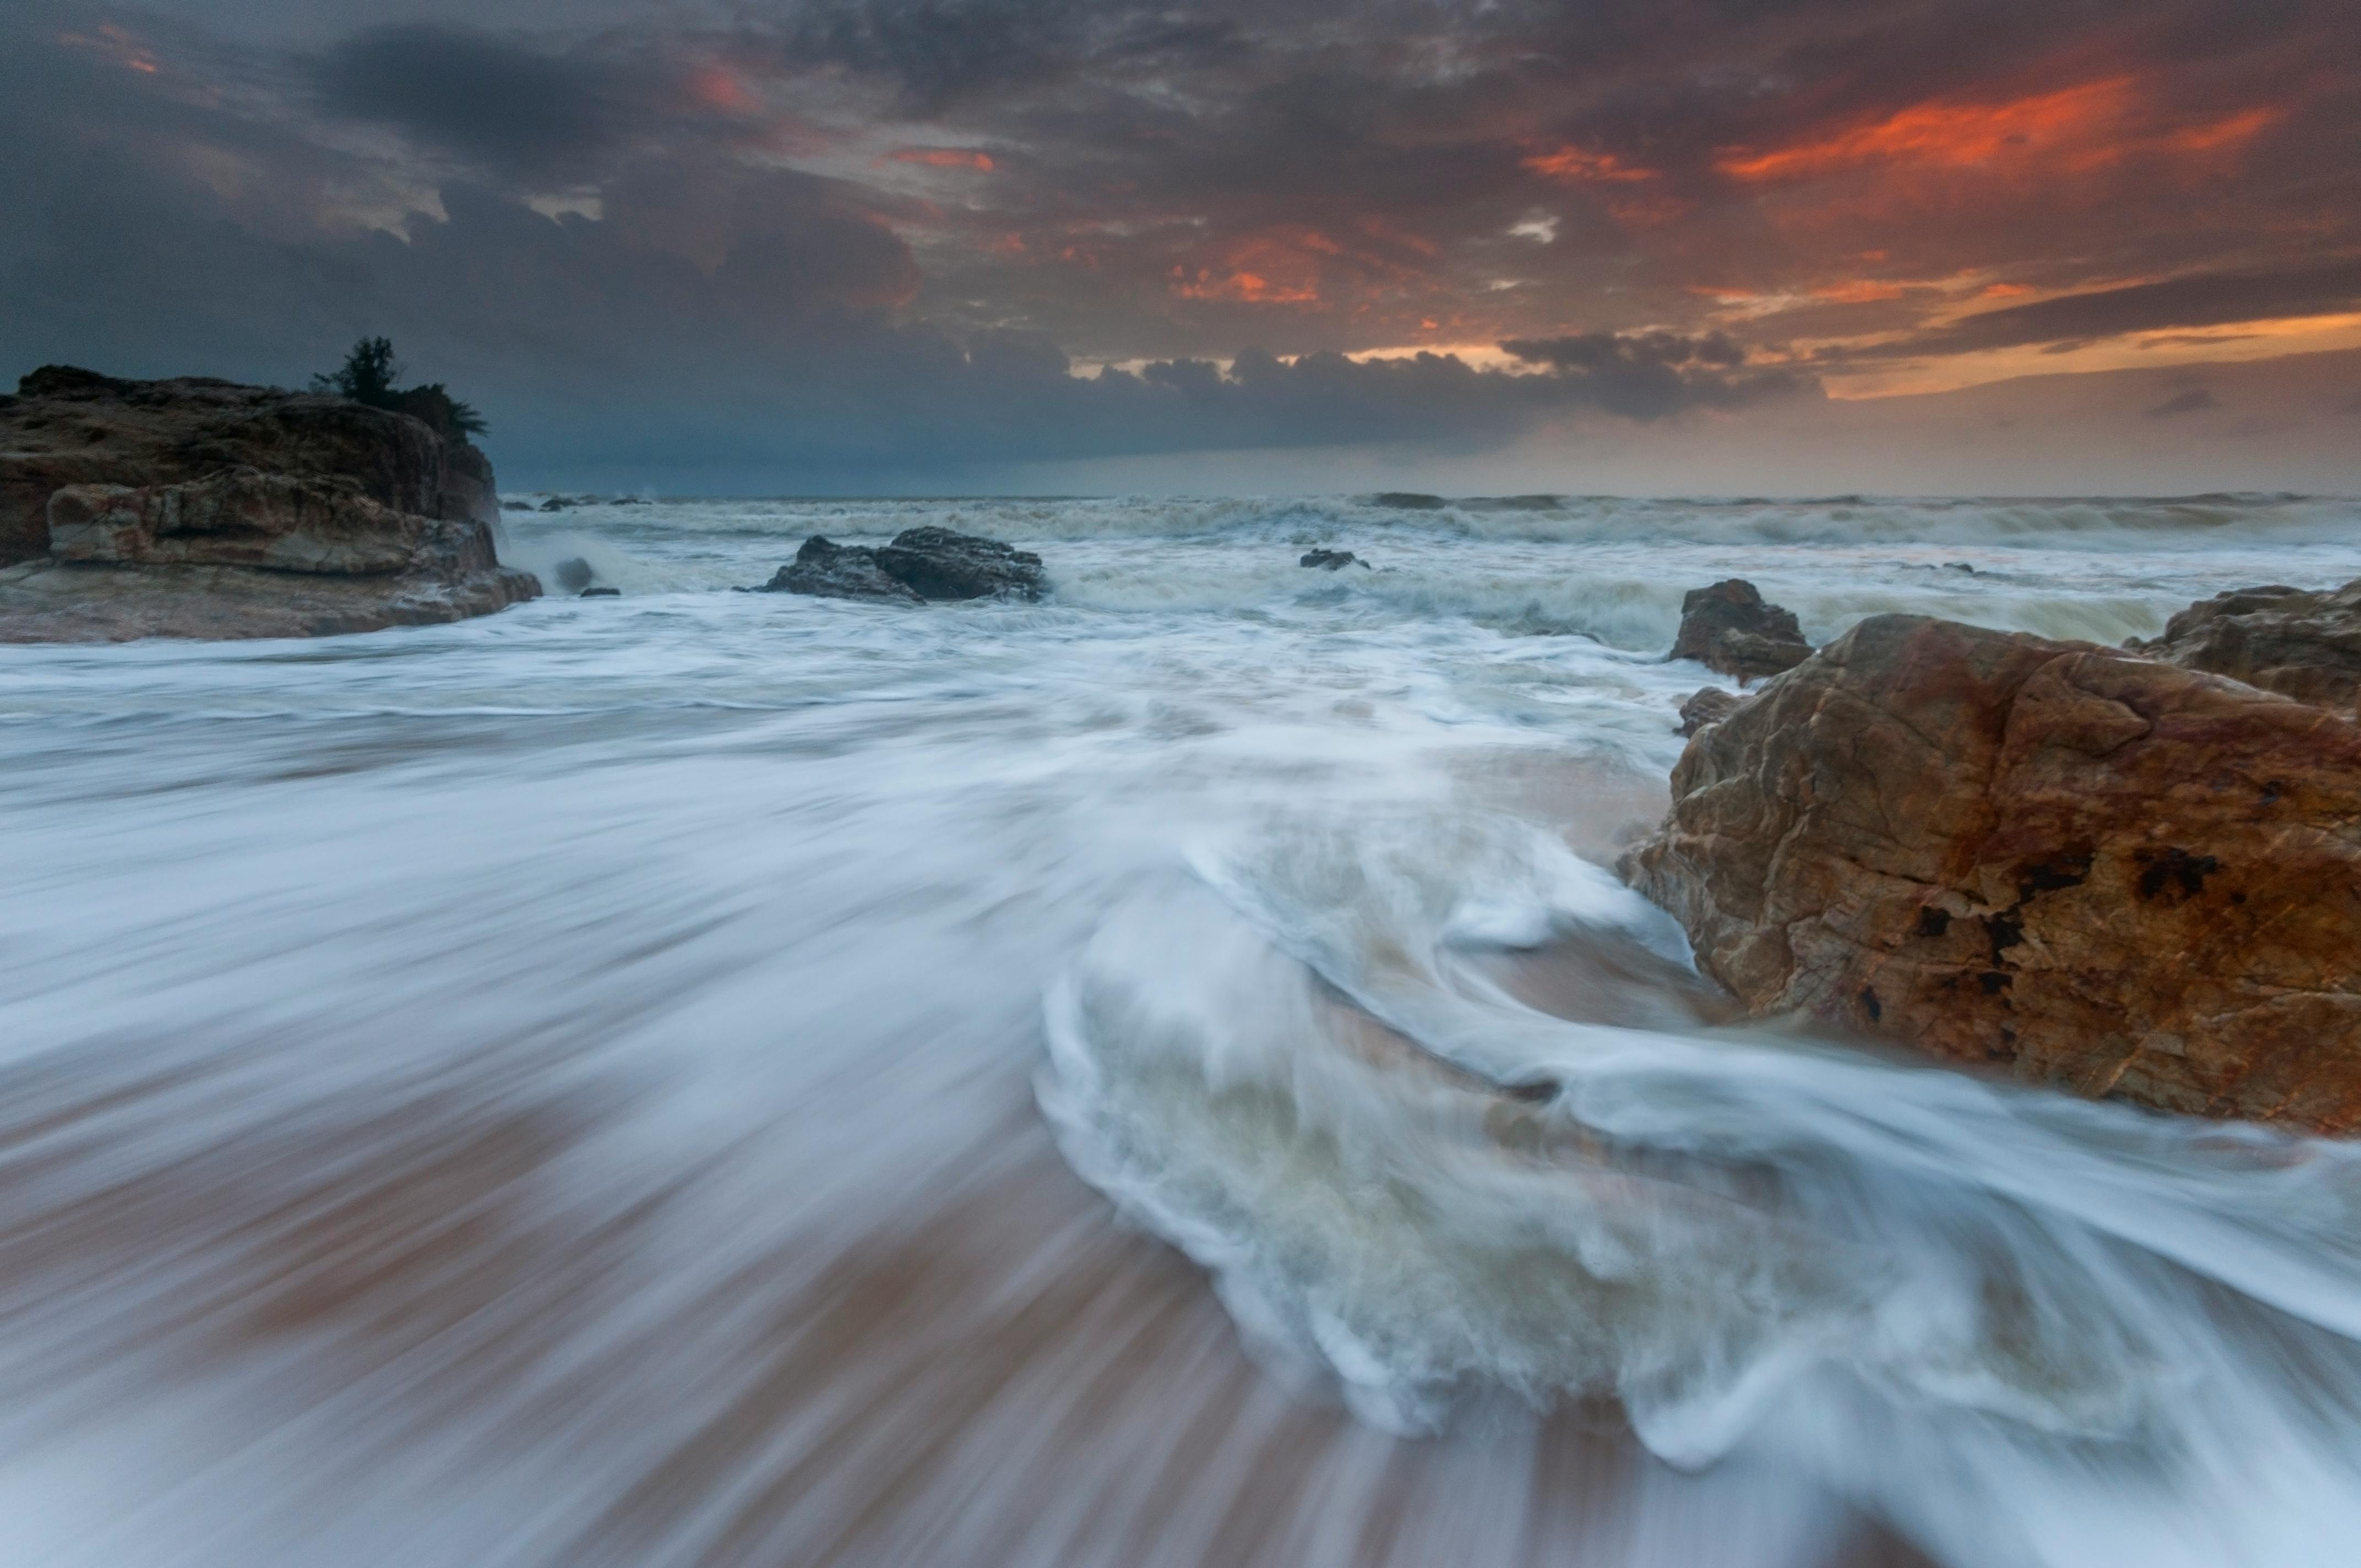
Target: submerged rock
[[2111, 874], [1729, 627], [921, 563], [1332, 560], [600, 594], [199, 508], [1708, 705], [2306, 645]]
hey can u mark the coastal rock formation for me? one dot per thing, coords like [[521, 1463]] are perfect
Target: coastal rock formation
[[830, 570], [1708, 705], [1728, 628], [1332, 560], [2115, 875], [921, 563], [2302, 644], [199, 508]]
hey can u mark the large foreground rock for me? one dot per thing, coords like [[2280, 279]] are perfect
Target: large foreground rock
[[204, 508], [921, 563], [1729, 627], [2113, 874], [2305, 645]]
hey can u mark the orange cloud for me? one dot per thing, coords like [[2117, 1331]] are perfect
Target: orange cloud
[[2073, 129], [943, 157], [1281, 267], [1861, 291], [1576, 166], [1247, 288]]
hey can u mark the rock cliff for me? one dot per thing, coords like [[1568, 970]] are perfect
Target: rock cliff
[[198, 508], [2108, 872]]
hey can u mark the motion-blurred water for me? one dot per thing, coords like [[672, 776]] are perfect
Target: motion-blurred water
[[604, 1084]]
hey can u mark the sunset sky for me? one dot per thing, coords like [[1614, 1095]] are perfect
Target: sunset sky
[[1636, 246]]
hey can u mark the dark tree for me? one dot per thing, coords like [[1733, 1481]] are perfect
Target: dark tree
[[367, 376]]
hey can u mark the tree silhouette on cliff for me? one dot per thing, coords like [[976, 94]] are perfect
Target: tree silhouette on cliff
[[367, 376]]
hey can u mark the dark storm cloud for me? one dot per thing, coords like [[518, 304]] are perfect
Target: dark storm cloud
[[482, 97], [871, 232], [1648, 375]]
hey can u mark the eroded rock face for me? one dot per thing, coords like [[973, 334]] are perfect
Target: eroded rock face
[[1706, 704], [829, 570], [2113, 874], [1729, 627], [198, 508], [2302, 644], [921, 563], [241, 517]]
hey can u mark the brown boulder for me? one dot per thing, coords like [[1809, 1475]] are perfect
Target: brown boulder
[[2114, 875], [2302, 644], [1706, 704], [1729, 627], [198, 508]]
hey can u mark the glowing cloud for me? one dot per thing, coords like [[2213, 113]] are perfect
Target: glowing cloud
[[2074, 129], [943, 157], [1576, 166]]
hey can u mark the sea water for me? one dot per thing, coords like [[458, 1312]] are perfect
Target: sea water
[[1162, 1076]]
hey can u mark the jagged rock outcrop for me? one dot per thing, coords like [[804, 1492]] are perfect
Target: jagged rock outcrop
[[920, 564], [1706, 704], [2113, 874], [199, 508], [2302, 644], [1729, 627], [1332, 560]]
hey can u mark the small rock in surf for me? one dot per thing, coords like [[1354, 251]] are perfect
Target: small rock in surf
[[1729, 627], [920, 566]]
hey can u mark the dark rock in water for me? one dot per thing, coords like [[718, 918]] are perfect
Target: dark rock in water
[[940, 564], [1966, 566], [2300, 644], [573, 574], [600, 594], [921, 563], [1409, 500], [555, 503], [830, 570], [1708, 705], [517, 506], [1332, 560], [200, 507], [2108, 873], [1729, 627]]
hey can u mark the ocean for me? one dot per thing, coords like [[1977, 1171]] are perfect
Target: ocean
[[1165, 1075]]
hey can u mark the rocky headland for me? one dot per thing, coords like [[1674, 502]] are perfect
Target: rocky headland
[[2100, 869], [201, 508]]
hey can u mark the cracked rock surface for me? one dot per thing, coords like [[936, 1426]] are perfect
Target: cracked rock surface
[[2105, 872]]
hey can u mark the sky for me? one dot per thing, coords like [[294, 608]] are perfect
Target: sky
[[1661, 246]]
